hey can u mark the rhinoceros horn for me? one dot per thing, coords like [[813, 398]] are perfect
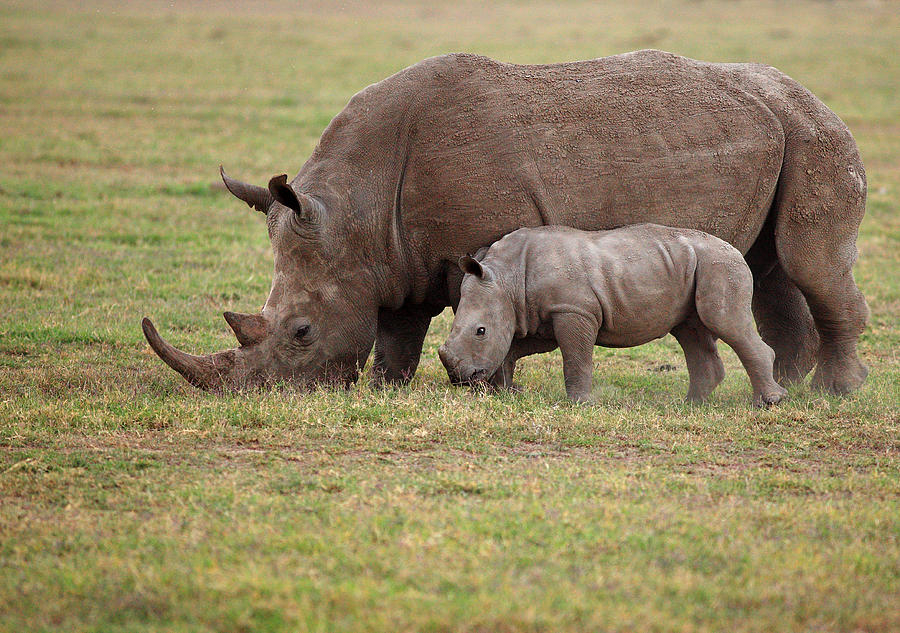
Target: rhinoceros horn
[[206, 372], [248, 328], [257, 197]]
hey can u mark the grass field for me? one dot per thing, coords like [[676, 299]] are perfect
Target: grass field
[[131, 502]]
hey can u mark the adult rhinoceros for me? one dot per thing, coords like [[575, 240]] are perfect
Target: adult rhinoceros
[[450, 154]]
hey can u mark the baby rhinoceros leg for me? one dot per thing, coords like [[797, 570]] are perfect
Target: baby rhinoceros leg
[[703, 363], [502, 380], [520, 347], [723, 296], [576, 335]]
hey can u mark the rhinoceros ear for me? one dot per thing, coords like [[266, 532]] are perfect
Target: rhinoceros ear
[[470, 266], [302, 205]]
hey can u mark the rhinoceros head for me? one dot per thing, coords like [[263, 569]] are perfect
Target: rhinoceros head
[[317, 324], [484, 325]]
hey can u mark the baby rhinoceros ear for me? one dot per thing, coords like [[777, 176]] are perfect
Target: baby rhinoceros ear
[[471, 266]]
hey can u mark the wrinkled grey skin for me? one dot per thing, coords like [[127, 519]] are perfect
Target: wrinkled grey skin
[[454, 152], [554, 286]]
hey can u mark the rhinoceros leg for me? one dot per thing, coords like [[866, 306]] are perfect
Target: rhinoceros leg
[[520, 347], [398, 344], [786, 325], [704, 365], [840, 312], [757, 359], [722, 297], [820, 205], [576, 335], [503, 377]]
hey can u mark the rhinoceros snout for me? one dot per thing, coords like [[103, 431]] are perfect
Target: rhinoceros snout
[[445, 355], [451, 364], [460, 373]]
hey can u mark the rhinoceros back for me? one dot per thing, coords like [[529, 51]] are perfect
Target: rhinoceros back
[[640, 137]]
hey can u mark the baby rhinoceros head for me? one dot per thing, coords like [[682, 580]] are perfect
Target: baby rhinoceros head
[[483, 327]]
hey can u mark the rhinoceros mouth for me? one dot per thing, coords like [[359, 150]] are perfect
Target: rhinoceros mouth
[[467, 378]]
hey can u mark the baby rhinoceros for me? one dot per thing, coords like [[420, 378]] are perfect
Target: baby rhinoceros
[[541, 287]]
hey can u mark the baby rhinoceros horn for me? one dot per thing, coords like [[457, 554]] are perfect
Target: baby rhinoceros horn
[[249, 329]]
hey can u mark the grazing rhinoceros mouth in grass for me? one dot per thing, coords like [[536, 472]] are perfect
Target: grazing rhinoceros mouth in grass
[[454, 152]]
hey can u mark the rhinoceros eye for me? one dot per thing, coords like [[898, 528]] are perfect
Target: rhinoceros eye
[[480, 331], [302, 331]]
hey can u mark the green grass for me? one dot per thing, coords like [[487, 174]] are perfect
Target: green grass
[[130, 502]]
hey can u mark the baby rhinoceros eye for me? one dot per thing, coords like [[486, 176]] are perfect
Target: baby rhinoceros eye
[[302, 331], [480, 331]]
